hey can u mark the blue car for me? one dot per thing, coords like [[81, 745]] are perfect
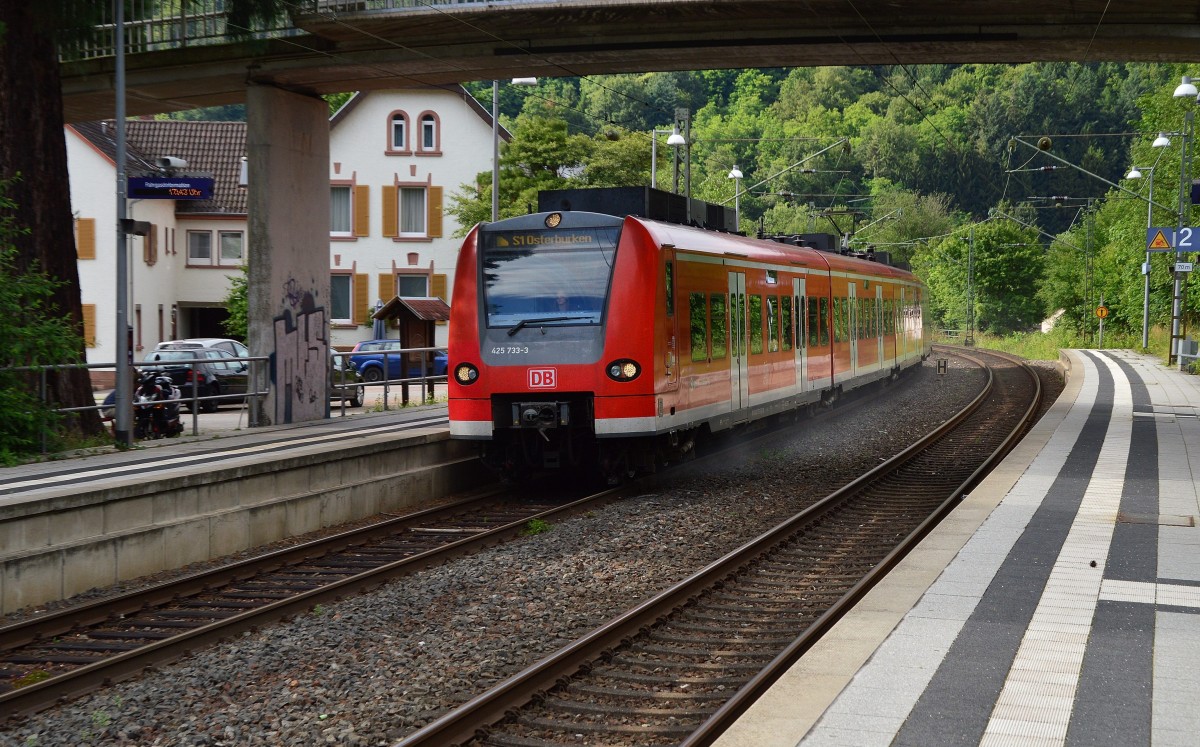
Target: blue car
[[371, 357]]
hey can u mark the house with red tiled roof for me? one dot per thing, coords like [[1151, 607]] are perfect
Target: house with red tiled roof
[[395, 158]]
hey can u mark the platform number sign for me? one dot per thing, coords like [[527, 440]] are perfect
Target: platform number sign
[[1171, 239]]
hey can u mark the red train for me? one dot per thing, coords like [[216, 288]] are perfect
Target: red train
[[579, 339]]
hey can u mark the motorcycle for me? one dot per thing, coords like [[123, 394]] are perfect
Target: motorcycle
[[156, 408]]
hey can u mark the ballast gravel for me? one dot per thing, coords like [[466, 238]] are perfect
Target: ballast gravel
[[373, 669]]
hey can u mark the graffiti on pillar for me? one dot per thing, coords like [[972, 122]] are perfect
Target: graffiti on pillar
[[301, 357]]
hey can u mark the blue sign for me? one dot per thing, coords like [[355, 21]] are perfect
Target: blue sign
[[171, 187], [1171, 239]]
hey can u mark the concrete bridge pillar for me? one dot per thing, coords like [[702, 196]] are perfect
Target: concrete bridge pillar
[[287, 146]]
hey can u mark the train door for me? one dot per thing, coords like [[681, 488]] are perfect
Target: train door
[[901, 325], [670, 348], [739, 374], [852, 326], [800, 348]]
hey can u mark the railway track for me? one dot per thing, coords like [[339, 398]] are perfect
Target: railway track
[[681, 667], [59, 656]]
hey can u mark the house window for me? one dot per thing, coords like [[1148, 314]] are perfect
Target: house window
[[232, 248], [340, 223], [412, 286], [199, 247], [412, 211], [341, 298], [429, 133], [398, 135]]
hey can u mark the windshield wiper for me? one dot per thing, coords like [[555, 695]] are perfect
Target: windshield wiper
[[525, 322]]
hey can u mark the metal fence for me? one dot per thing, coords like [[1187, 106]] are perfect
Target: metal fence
[[341, 379], [154, 26]]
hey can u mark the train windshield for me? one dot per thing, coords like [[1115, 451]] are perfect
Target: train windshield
[[547, 277]]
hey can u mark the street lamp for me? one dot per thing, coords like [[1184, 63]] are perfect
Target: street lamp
[[1185, 90], [675, 140], [1136, 173], [496, 140], [736, 175]]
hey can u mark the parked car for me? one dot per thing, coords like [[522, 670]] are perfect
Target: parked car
[[345, 382], [233, 347], [215, 373], [369, 357]]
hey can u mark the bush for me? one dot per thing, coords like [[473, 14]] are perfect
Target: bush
[[33, 332]]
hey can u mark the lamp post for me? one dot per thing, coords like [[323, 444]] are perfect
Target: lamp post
[[736, 175], [1185, 90], [674, 140], [684, 117], [496, 140], [1136, 173]]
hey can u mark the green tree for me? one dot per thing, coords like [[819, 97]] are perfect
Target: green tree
[[32, 333], [237, 322], [33, 162], [542, 155]]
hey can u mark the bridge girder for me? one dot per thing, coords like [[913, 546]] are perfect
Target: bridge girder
[[364, 50]]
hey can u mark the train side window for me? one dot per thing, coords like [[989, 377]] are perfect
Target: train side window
[[773, 324], [839, 320], [787, 322], [823, 324], [756, 324], [698, 321], [720, 324], [814, 322], [669, 276]]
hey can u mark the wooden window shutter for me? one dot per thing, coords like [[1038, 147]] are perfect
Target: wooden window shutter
[[362, 211], [85, 238], [387, 287], [435, 213], [361, 304], [437, 289], [89, 325], [391, 211], [150, 245]]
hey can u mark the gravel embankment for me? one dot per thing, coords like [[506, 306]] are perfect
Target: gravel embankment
[[372, 669]]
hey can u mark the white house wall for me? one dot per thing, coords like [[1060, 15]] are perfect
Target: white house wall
[[360, 155]]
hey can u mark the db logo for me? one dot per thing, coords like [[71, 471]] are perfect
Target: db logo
[[543, 378]]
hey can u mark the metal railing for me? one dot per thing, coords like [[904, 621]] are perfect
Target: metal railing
[[425, 379], [193, 401], [154, 26]]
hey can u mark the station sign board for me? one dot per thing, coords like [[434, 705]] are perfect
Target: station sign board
[[171, 187]]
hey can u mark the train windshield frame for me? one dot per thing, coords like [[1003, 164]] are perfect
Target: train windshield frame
[[552, 277]]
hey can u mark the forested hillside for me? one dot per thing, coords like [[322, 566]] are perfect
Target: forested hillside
[[937, 164]]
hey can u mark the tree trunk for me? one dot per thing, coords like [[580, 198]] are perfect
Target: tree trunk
[[33, 152]]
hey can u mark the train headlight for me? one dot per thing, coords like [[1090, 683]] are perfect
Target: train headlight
[[623, 370], [465, 373]]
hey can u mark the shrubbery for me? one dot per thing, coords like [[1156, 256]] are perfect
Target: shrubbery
[[33, 332]]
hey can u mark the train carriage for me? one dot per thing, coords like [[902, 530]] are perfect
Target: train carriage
[[583, 339]]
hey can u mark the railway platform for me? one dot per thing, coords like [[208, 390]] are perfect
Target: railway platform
[[1059, 604], [72, 524]]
